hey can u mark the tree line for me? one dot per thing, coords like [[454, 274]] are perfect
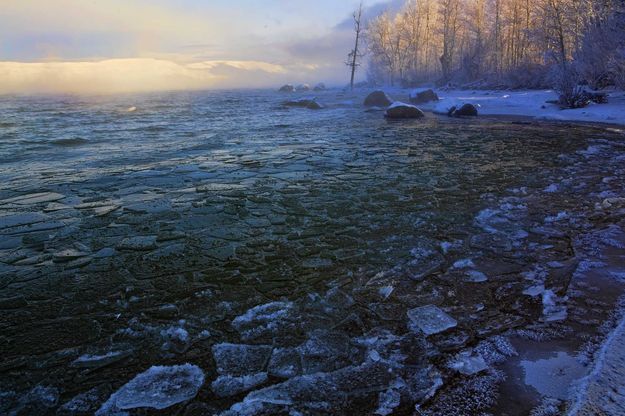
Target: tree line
[[490, 43]]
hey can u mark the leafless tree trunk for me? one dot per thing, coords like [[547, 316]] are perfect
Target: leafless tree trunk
[[354, 55]]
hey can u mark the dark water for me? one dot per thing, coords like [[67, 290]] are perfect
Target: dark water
[[141, 235]]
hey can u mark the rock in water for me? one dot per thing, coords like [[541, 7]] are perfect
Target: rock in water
[[287, 88], [320, 87], [303, 87], [401, 110], [378, 99], [467, 110], [430, 319], [159, 387], [423, 96], [310, 103]]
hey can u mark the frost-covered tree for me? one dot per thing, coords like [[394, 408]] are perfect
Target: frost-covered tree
[[520, 43]]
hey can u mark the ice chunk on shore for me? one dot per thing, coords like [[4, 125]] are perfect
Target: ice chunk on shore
[[263, 319], [552, 309], [158, 387], [388, 400], [468, 363], [464, 264], [430, 319], [285, 363]]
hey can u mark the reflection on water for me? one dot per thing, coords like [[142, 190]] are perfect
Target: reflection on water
[[273, 247]]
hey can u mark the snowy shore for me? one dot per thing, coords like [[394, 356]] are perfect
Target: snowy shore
[[529, 103]]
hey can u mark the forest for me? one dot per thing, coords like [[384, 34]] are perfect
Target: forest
[[500, 43]]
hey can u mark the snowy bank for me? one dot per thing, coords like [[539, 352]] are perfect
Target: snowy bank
[[530, 103]]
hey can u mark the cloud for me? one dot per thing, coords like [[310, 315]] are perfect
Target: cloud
[[112, 46], [141, 75]]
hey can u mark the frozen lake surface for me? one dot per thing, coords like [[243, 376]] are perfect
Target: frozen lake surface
[[271, 260]]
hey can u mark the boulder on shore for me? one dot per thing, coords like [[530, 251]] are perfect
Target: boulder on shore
[[287, 88], [399, 110], [378, 99], [467, 110], [310, 103], [423, 96]]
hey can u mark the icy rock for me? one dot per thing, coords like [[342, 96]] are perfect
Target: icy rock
[[225, 386], [139, 243], [239, 359], [264, 320], [430, 319], [468, 363], [285, 363], [399, 110], [159, 388]]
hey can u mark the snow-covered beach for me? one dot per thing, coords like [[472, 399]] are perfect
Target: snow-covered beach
[[531, 104]]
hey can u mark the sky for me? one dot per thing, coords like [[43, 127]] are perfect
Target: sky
[[101, 46]]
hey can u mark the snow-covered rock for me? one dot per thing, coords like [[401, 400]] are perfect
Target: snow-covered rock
[[378, 99], [399, 110]]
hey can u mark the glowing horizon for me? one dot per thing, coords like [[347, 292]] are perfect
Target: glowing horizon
[[116, 46]]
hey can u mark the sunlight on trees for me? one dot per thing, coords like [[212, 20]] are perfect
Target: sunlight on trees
[[513, 43]]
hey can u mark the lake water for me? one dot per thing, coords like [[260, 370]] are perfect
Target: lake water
[[281, 249]]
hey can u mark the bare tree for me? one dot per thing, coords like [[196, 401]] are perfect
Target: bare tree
[[449, 26], [522, 43], [355, 55]]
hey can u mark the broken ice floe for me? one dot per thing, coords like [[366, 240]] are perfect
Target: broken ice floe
[[159, 387], [468, 363], [430, 319], [554, 308], [263, 320]]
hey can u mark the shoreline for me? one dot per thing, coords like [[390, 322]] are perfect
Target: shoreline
[[524, 105]]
